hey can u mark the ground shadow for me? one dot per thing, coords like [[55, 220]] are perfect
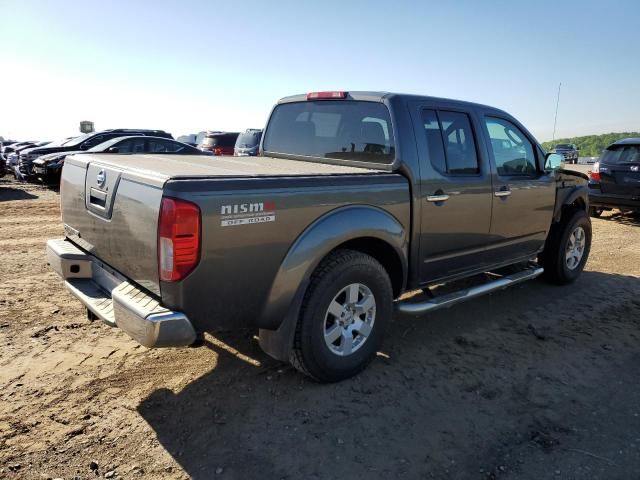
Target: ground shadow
[[10, 193], [623, 217], [523, 383]]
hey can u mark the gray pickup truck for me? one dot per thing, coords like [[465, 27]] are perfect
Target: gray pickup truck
[[355, 199]]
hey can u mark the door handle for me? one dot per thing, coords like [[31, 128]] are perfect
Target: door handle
[[438, 198], [503, 192]]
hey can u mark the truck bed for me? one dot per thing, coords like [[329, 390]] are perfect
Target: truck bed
[[160, 168], [110, 203]]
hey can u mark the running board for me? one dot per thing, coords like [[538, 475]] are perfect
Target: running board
[[417, 308]]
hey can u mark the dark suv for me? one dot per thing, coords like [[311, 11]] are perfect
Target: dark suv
[[614, 181], [569, 151], [219, 143], [83, 142], [248, 143]]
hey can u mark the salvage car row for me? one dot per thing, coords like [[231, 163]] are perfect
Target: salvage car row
[[43, 161]]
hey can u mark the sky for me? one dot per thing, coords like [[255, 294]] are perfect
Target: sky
[[221, 65]]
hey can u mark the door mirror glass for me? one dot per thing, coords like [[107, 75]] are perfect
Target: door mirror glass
[[553, 161]]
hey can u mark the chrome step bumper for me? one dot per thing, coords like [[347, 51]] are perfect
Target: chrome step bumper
[[116, 301], [417, 308]]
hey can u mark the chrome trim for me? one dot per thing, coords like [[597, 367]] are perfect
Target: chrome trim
[[502, 193], [110, 296], [437, 198], [417, 308]]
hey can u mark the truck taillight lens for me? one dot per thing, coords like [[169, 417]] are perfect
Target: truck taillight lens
[[218, 151], [178, 239], [594, 174]]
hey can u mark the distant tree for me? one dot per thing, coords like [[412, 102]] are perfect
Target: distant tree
[[591, 145]]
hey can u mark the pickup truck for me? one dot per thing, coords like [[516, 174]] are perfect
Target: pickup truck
[[356, 198]]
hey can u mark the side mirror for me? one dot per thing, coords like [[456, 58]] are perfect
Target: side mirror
[[113, 150], [553, 161]]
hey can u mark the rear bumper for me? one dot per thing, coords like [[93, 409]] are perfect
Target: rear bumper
[[116, 301], [599, 199]]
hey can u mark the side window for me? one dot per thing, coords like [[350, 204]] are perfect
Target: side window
[[450, 141], [512, 151], [434, 140], [163, 146], [133, 145], [93, 141]]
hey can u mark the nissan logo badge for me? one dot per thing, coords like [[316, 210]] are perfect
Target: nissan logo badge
[[101, 178]]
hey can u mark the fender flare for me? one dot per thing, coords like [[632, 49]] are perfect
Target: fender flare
[[280, 313], [568, 198]]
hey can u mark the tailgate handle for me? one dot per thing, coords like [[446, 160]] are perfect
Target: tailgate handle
[[97, 198]]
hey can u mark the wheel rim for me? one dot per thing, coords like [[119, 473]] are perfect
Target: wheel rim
[[349, 320], [575, 248]]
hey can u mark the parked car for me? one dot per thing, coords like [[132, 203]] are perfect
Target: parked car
[[357, 198], [9, 149], [248, 143], [569, 151], [219, 143], [614, 181], [90, 140], [48, 168], [14, 159]]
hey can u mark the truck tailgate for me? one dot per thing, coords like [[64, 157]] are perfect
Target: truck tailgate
[[110, 203]]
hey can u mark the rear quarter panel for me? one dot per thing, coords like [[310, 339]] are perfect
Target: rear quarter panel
[[238, 264]]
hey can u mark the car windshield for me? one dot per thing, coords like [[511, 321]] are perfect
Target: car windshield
[[564, 145], [621, 154], [248, 139], [342, 130]]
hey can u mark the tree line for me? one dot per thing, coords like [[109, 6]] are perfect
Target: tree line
[[591, 145]]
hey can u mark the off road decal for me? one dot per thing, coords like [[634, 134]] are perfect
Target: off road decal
[[247, 213]]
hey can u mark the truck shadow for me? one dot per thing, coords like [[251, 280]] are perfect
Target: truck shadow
[[8, 193], [497, 384]]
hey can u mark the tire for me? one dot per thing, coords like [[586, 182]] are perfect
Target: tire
[[558, 268], [334, 279], [595, 211]]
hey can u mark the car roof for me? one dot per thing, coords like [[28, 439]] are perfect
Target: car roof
[[627, 141], [380, 96]]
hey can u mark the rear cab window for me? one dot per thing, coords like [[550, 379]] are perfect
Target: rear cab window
[[355, 131]]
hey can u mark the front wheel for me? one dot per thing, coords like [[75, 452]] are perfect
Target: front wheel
[[347, 306], [567, 249]]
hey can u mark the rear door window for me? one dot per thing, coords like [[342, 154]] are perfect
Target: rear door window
[[451, 144], [341, 130]]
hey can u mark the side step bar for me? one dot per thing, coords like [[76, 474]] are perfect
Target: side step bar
[[417, 308]]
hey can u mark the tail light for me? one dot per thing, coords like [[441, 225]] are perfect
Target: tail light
[[218, 151], [594, 174], [326, 95], [178, 239]]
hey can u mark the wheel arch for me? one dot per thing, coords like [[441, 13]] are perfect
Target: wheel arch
[[364, 228], [570, 201]]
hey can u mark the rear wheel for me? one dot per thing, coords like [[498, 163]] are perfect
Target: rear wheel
[[567, 249], [343, 317]]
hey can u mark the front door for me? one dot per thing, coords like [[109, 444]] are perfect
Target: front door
[[523, 196], [456, 193]]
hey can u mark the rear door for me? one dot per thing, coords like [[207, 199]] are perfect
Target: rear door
[[455, 191], [523, 194], [620, 170]]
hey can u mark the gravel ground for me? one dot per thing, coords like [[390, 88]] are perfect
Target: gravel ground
[[533, 382]]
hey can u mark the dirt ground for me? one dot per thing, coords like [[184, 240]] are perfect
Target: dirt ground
[[533, 382]]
